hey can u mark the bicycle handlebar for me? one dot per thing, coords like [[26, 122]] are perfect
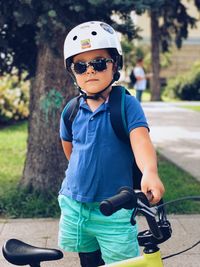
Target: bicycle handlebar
[[127, 198]]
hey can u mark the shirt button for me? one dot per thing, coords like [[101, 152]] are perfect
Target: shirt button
[[92, 119]]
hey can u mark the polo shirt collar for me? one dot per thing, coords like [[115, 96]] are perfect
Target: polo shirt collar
[[102, 107]]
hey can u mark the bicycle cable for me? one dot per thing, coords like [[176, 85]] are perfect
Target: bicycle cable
[[174, 201], [178, 253], [178, 199]]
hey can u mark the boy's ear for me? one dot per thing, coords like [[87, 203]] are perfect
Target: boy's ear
[[116, 76]]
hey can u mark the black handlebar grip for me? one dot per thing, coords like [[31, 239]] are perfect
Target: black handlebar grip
[[126, 198]]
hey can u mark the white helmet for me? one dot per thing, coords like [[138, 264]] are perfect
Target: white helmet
[[89, 36]]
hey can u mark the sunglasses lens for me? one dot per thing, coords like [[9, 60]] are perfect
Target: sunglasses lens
[[80, 67], [99, 65]]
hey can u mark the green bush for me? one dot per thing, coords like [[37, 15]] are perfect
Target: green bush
[[185, 86], [19, 203], [14, 98]]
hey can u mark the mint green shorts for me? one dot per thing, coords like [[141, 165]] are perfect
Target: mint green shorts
[[83, 228]]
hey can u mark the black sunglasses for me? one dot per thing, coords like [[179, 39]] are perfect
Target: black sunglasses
[[97, 64]]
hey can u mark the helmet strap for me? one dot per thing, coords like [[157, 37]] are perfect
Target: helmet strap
[[98, 95]]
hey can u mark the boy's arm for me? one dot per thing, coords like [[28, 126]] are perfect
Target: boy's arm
[[146, 159], [67, 147]]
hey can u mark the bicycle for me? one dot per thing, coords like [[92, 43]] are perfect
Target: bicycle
[[20, 253]]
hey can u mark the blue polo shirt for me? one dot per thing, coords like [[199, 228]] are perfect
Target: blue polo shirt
[[100, 162]]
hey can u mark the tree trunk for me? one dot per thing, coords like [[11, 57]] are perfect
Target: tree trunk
[[45, 161], [155, 57]]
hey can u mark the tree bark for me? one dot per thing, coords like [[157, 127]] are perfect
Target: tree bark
[[155, 57], [52, 88]]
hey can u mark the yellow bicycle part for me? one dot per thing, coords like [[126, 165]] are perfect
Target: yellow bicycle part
[[146, 260]]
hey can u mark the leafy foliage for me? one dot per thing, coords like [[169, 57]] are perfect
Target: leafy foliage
[[25, 24], [14, 98], [176, 22], [187, 86], [132, 52]]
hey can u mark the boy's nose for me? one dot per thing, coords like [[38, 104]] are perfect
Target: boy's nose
[[90, 69]]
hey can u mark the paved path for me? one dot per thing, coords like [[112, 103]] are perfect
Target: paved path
[[175, 132], [43, 232]]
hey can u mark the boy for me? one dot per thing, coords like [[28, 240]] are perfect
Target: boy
[[100, 163]]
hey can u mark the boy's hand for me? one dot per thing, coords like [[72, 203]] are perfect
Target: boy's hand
[[152, 183]]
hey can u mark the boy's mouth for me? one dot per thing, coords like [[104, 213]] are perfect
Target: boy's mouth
[[92, 80]]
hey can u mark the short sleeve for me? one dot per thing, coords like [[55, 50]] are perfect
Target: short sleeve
[[64, 133], [134, 114]]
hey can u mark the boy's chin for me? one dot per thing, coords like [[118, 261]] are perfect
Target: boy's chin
[[93, 92]]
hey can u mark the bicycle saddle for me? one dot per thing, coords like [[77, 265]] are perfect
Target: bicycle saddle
[[20, 253]]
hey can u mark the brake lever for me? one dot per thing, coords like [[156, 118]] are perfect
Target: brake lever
[[145, 210], [143, 205], [150, 213], [162, 214]]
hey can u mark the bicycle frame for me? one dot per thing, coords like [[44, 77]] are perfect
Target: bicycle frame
[[146, 260]]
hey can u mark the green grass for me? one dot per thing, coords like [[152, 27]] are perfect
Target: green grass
[[19, 203], [146, 96], [195, 108], [178, 183], [12, 154]]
